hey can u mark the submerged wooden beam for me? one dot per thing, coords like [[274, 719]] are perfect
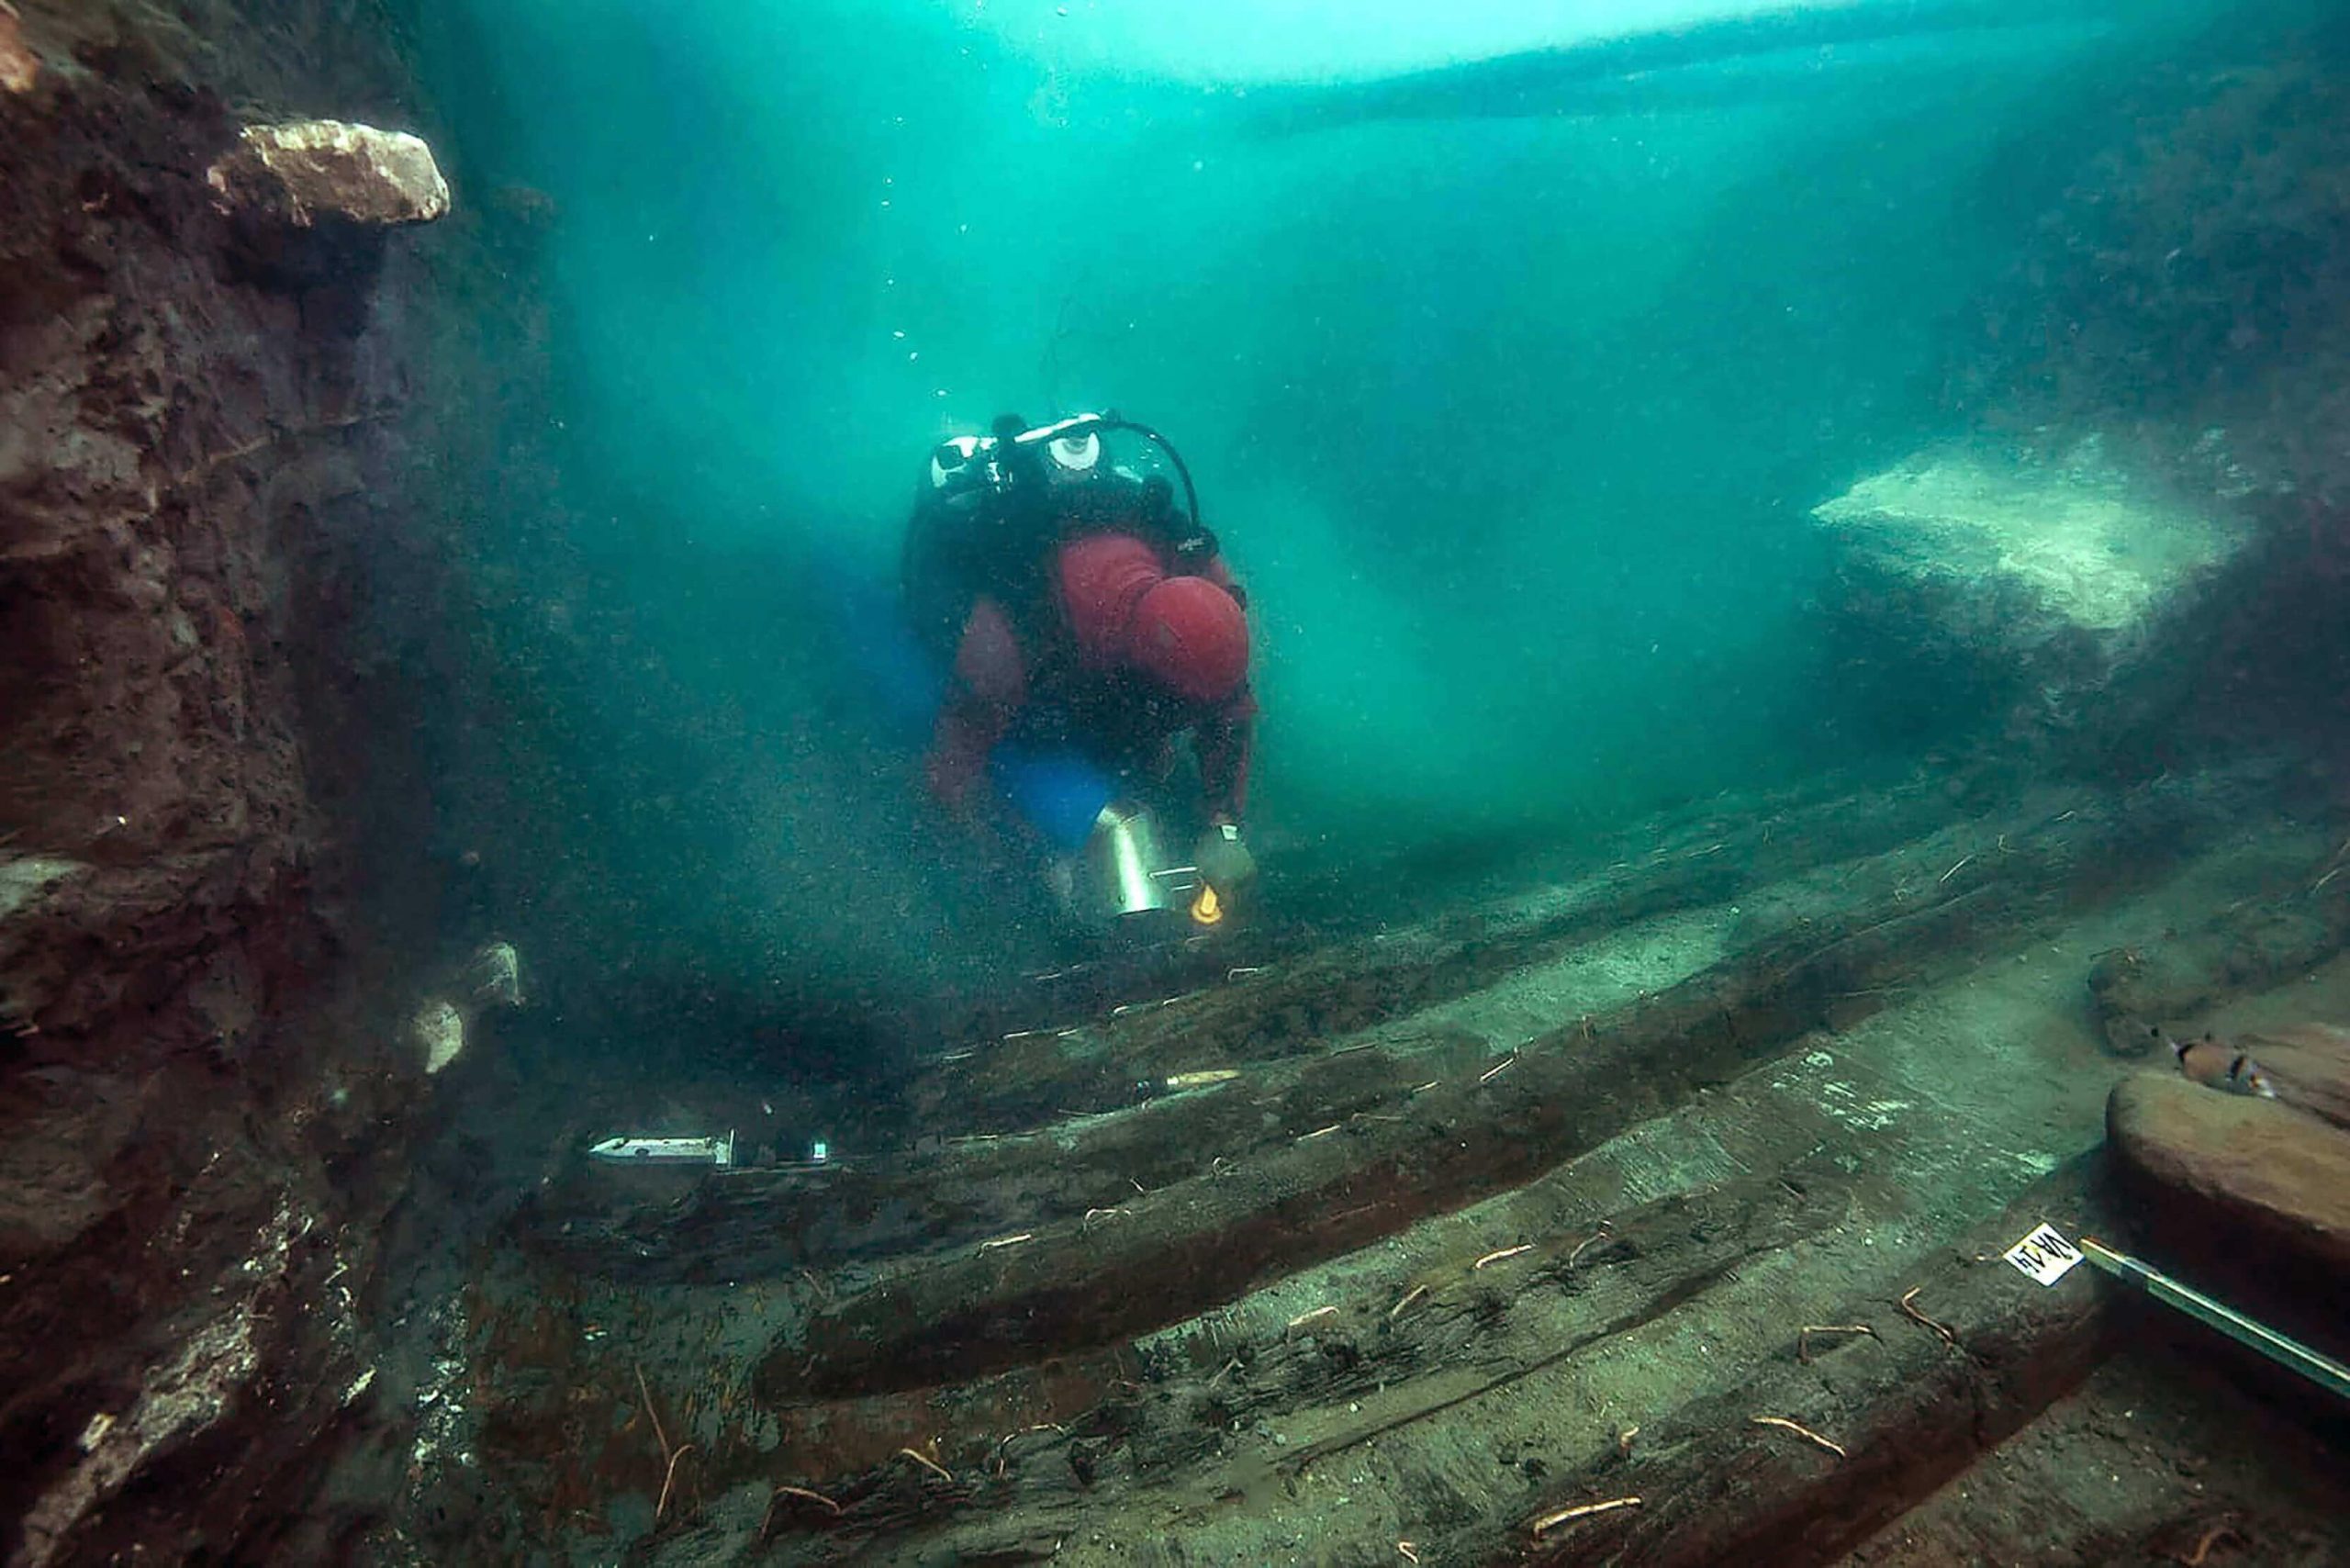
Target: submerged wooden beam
[[1909, 1409], [1292, 1199]]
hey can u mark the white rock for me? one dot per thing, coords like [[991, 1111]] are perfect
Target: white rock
[[438, 1030], [495, 976], [295, 173], [2058, 577]]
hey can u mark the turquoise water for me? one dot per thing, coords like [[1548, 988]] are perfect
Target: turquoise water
[[1509, 395]]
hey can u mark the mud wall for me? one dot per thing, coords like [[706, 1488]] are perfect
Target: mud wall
[[210, 543], [2184, 305]]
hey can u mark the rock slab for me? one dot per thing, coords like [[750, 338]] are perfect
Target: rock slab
[[2258, 1182], [298, 172], [2048, 583]]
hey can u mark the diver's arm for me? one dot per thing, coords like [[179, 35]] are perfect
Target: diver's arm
[[1226, 743], [990, 683]]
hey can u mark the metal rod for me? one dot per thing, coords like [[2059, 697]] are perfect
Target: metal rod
[[2324, 1371]]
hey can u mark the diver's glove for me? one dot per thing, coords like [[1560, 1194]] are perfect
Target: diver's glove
[[1223, 861]]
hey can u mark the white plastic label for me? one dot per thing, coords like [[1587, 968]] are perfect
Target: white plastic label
[[2044, 1255]]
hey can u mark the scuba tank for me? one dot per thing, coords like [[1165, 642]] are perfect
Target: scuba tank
[[1007, 480]]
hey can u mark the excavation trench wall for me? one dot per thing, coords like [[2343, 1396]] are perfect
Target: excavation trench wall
[[205, 471]]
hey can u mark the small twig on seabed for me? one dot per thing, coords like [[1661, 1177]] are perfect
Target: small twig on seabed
[[1803, 1335], [1415, 1293], [1302, 1318], [767, 1520], [1552, 1520], [1949, 1335], [668, 1479], [1607, 1228], [928, 1463], [652, 1415], [1503, 1254], [2210, 1538], [1802, 1432], [669, 1456], [1954, 870]]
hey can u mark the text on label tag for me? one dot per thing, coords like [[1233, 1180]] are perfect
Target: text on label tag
[[2044, 1255]]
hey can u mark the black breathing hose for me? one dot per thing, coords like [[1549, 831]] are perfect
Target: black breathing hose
[[1078, 424]]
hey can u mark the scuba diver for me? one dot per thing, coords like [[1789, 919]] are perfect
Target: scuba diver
[[1087, 624]]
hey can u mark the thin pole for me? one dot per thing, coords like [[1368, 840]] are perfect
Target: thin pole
[[2324, 1371]]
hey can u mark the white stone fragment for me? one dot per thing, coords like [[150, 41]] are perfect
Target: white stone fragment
[[439, 1031], [298, 172], [496, 976]]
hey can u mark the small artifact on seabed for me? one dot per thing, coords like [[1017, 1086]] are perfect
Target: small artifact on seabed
[[1202, 1078], [627, 1150]]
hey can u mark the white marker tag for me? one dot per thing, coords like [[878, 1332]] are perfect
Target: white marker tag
[[2044, 1255]]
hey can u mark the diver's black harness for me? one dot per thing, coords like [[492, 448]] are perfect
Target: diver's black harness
[[993, 512], [1015, 474]]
